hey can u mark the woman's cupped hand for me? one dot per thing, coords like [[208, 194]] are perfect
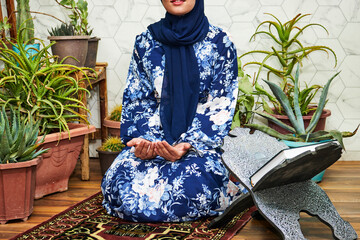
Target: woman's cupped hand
[[146, 150]]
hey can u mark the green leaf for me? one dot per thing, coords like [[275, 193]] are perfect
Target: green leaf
[[299, 119], [245, 85], [273, 132], [315, 118]]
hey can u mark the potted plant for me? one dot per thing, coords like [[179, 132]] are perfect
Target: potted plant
[[75, 41], [112, 122], [246, 103], [287, 51], [51, 92], [299, 133], [108, 151], [19, 158]]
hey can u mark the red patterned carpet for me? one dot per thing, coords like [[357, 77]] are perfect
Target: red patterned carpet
[[88, 220]]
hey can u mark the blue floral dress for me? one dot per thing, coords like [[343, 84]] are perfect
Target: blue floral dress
[[198, 184]]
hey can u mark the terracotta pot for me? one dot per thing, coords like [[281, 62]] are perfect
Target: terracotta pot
[[75, 46], [112, 126], [106, 158], [90, 61], [59, 162], [17, 190], [320, 126]]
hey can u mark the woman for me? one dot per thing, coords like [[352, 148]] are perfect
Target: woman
[[177, 108]]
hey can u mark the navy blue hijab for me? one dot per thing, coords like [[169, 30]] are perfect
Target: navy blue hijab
[[180, 89]]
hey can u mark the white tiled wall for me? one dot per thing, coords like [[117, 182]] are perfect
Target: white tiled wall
[[117, 22]]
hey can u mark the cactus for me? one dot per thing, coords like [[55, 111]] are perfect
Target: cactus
[[24, 20], [112, 144], [18, 140], [297, 129], [115, 114]]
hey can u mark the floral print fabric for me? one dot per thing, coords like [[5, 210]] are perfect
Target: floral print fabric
[[198, 184]]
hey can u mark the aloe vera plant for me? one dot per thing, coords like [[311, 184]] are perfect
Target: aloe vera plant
[[298, 131], [18, 138], [288, 51], [49, 90]]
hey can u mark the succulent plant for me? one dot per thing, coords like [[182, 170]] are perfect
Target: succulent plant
[[298, 131], [18, 138], [112, 144], [65, 29], [115, 114]]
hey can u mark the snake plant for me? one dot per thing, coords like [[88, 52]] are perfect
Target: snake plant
[[298, 131], [18, 138], [287, 51], [49, 90]]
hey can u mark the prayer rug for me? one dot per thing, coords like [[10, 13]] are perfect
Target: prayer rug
[[88, 220]]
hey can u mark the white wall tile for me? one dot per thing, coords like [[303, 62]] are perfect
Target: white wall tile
[[329, 2], [349, 104], [242, 11], [125, 36], [332, 18], [350, 71], [218, 15], [294, 7], [350, 39], [271, 2], [131, 10], [104, 20], [351, 10]]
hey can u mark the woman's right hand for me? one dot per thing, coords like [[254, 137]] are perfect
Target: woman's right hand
[[144, 149]]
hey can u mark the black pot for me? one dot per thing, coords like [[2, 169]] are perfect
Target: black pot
[[93, 44], [106, 158]]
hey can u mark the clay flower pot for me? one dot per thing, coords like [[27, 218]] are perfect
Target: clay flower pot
[[106, 158], [75, 46], [320, 125], [59, 162], [90, 61], [112, 126], [17, 189]]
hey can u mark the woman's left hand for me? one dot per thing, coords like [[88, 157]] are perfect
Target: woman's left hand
[[171, 153]]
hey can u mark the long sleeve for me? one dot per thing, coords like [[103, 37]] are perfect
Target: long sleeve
[[213, 117], [139, 118]]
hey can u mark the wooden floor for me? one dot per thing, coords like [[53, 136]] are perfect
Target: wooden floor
[[341, 182]]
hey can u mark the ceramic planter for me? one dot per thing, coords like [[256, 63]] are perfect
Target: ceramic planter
[[112, 126], [75, 46], [17, 189], [320, 126], [90, 61], [106, 158], [59, 162]]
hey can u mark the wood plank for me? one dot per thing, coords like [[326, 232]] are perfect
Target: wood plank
[[341, 183]]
